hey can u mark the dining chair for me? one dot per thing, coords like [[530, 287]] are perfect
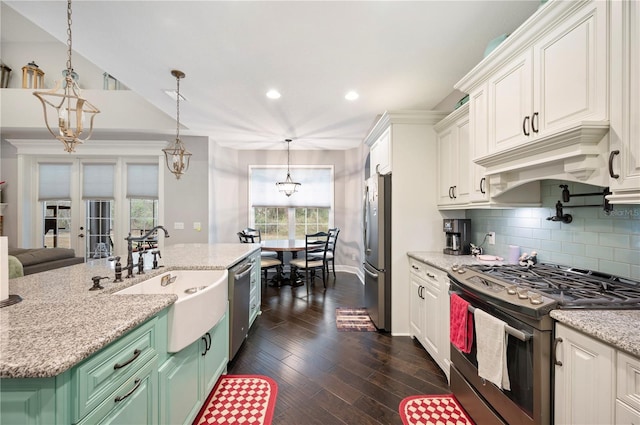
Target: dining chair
[[331, 248], [328, 255], [256, 237], [266, 262], [312, 259]]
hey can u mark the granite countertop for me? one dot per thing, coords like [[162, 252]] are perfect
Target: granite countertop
[[616, 327], [444, 261], [59, 322]]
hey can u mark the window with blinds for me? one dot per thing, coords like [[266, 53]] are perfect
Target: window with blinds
[[278, 216]]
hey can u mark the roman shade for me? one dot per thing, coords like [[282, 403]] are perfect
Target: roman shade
[[54, 182], [97, 181], [142, 181]]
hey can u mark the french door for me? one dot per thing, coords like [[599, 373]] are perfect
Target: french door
[[77, 205]]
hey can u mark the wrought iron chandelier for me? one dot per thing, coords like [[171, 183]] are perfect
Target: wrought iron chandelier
[[71, 110], [177, 156], [288, 187]]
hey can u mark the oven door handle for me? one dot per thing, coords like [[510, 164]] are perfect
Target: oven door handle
[[517, 333]]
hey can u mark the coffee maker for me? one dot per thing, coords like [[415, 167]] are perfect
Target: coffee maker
[[457, 236]]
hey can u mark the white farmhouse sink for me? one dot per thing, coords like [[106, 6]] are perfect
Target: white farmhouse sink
[[202, 301]]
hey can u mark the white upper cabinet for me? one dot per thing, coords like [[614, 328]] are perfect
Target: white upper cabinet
[[570, 72], [478, 143], [380, 154], [624, 156], [509, 115], [540, 100], [454, 158]]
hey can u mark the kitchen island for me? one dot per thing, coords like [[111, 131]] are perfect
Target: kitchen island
[[59, 322]]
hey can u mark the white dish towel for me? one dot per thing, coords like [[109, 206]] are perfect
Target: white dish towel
[[491, 344]]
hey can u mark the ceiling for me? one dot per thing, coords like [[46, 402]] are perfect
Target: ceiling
[[395, 54]]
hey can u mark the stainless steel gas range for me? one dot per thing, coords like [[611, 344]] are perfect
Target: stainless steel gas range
[[522, 297]]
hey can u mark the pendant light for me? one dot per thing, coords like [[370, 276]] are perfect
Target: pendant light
[[176, 155], [288, 187], [71, 110]]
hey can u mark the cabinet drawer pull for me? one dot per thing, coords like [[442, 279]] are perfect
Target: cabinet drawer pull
[[122, 397], [611, 155], [535, 120], [482, 183], [420, 289], [555, 354], [431, 275], [414, 267], [205, 346], [208, 335], [450, 192], [136, 353], [454, 191], [525, 126]]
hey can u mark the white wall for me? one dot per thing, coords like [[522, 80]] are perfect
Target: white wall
[[187, 199]]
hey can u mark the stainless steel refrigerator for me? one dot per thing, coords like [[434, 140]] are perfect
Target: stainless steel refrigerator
[[377, 250]]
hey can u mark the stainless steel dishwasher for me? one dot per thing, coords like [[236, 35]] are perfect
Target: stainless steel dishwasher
[[239, 292]]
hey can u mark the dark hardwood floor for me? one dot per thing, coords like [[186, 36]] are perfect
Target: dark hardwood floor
[[330, 377]]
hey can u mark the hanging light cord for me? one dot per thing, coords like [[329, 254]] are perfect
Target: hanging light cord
[[69, 67], [178, 108], [288, 155]]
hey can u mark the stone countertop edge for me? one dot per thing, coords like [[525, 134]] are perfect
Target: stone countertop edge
[[616, 327], [60, 322]]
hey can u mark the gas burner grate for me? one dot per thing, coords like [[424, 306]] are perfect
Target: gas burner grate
[[570, 287]]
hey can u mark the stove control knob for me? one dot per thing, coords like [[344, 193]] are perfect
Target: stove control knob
[[454, 267], [462, 270]]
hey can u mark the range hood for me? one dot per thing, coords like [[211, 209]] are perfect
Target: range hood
[[577, 153]]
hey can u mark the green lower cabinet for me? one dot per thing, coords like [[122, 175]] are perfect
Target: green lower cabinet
[[122, 383], [28, 401], [187, 377], [179, 393], [135, 402], [214, 362]]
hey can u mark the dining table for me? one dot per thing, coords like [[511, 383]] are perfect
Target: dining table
[[280, 246]]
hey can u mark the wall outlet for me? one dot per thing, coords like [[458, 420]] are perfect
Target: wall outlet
[[197, 226], [491, 238], [178, 225]]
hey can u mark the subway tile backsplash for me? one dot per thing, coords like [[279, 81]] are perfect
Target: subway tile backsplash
[[594, 240]]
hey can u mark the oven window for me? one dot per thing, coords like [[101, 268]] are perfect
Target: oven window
[[520, 367]]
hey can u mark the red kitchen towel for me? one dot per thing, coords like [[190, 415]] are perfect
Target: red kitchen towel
[[460, 324]]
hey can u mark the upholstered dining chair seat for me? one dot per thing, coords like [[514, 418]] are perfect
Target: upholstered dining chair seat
[[269, 263], [302, 263]]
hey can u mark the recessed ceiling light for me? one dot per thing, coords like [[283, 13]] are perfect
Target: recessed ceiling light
[[352, 95], [273, 94]]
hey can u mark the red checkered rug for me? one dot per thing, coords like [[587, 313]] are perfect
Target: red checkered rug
[[240, 399], [433, 410]]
